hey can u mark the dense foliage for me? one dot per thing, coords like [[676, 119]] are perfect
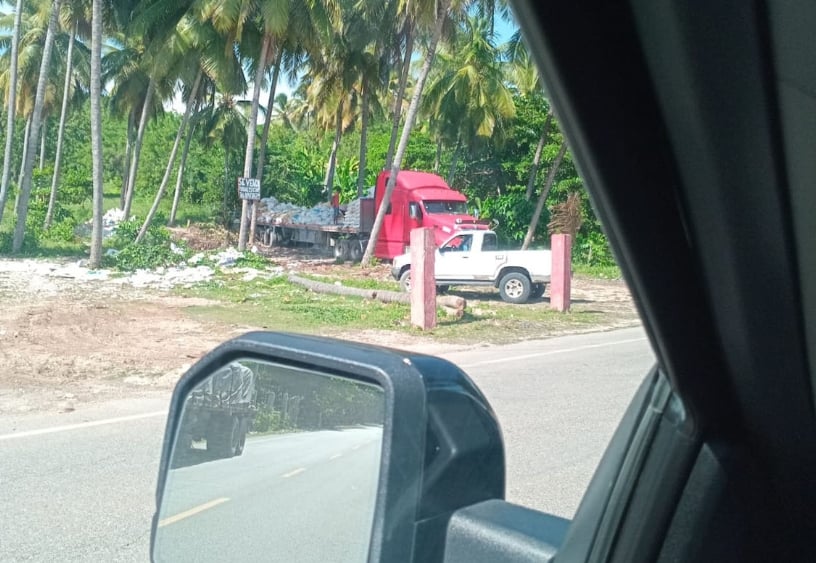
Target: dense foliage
[[482, 115]]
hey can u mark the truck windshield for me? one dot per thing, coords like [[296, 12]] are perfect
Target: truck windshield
[[451, 207]]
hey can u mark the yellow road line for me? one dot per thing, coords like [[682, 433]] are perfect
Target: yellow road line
[[192, 512], [293, 472]]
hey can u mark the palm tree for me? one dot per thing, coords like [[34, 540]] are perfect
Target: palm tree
[[527, 80], [191, 102], [225, 123], [74, 17], [10, 115], [545, 191], [36, 123], [96, 132], [467, 98], [443, 8]]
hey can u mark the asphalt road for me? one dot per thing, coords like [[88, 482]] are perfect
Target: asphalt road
[[80, 486]]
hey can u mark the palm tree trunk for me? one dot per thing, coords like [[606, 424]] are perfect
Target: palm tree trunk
[[191, 101], [438, 157], [252, 129], [545, 191], [454, 159], [361, 173], [410, 118], [12, 108], [180, 176], [137, 147], [128, 159], [537, 156], [259, 169], [338, 132], [96, 133], [42, 143], [396, 114], [36, 122], [26, 135], [66, 90]]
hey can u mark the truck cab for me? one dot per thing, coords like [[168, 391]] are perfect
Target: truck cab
[[420, 199]]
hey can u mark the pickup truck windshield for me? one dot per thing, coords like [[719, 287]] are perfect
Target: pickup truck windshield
[[451, 207]]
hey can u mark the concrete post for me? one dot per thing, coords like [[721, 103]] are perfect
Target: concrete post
[[561, 272], [423, 283]]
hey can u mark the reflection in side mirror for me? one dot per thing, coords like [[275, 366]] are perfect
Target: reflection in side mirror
[[264, 457]]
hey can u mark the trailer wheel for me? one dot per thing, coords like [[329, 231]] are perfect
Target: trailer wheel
[[341, 249], [242, 432], [515, 288], [356, 250], [223, 436]]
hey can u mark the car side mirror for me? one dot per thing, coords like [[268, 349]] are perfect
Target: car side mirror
[[414, 211], [272, 437]]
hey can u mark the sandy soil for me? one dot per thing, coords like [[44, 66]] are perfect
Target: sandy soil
[[66, 342]]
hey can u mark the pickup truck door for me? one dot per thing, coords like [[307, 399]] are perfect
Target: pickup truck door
[[485, 265], [454, 257]]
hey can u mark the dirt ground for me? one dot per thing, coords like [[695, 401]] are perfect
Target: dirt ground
[[65, 342]]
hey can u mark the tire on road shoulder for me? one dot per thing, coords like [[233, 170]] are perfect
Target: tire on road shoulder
[[515, 287]]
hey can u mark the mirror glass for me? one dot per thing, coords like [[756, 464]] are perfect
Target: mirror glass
[[273, 463]]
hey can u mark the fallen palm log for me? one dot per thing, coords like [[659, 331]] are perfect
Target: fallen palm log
[[448, 302]]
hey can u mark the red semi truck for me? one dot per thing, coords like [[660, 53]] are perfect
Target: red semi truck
[[420, 199]]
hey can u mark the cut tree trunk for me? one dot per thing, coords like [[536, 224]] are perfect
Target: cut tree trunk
[[448, 301]]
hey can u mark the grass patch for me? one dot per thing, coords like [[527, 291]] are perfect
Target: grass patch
[[276, 304], [599, 272], [273, 303], [358, 283]]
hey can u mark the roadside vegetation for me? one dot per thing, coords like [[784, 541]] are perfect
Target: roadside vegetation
[[312, 98]]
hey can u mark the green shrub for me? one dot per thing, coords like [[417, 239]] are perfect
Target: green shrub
[[155, 250]]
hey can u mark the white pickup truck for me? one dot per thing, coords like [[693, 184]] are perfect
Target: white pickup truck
[[471, 257]]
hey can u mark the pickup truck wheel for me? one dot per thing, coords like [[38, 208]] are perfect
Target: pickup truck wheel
[[515, 288], [538, 290], [405, 280]]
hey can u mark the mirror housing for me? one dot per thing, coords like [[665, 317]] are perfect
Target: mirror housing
[[442, 448]]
